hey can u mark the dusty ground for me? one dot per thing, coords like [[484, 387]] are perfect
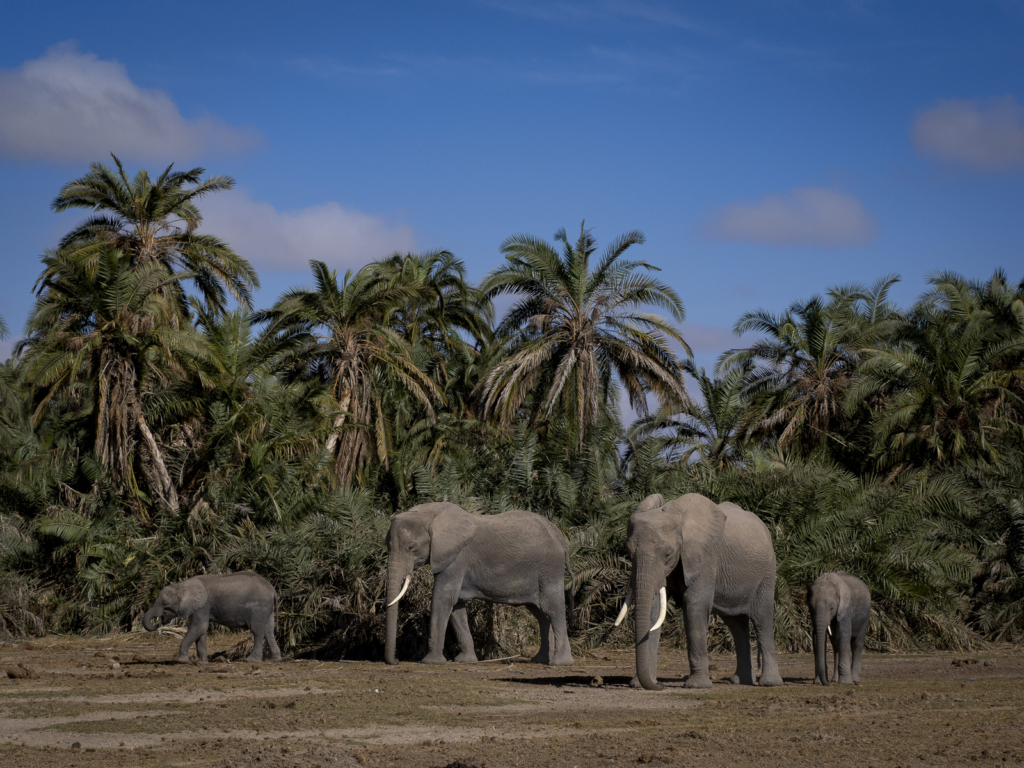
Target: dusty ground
[[118, 701]]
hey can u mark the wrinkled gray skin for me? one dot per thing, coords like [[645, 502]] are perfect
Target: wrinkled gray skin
[[842, 603], [515, 558], [242, 599], [712, 559]]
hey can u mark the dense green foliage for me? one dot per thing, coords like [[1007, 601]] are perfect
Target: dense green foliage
[[148, 433]]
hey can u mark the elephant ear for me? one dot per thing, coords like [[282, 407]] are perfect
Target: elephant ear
[[194, 595], [702, 524], [450, 530], [654, 501]]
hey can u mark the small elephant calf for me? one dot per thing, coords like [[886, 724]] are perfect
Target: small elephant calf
[[840, 607], [242, 599]]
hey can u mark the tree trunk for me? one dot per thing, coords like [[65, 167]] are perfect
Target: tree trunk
[[167, 492]]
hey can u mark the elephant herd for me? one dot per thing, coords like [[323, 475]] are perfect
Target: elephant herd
[[713, 559]]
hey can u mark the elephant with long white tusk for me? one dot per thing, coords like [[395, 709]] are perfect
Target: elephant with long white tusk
[[516, 558], [712, 559]]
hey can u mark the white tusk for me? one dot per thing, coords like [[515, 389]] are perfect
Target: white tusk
[[829, 630], [625, 608], [664, 610], [404, 587]]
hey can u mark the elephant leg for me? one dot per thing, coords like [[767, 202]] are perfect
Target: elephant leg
[[844, 641], [275, 651], [201, 649], [196, 632], [763, 618], [553, 608], [443, 600], [256, 655], [460, 623], [696, 617], [859, 636], [834, 640], [543, 656], [739, 626], [654, 637]]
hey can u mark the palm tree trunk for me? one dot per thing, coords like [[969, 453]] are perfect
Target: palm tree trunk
[[167, 492]]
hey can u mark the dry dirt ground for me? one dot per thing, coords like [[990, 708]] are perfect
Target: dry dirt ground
[[119, 701]]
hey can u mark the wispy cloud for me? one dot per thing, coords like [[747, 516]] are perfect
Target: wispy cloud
[[71, 106], [981, 135], [276, 240], [806, 216], [607, 10]]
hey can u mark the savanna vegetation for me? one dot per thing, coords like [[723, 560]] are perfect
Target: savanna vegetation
[[154, 424]]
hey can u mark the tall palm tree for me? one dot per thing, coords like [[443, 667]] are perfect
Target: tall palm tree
[[808, 359], [110, 325], [444, 303], [339, 335], [578, 327], [156, 220]]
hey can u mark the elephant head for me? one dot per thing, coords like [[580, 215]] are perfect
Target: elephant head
[[828, 597], [662, 537], [176, 601], [434, 533]]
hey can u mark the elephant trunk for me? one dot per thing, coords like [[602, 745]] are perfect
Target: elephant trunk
[[645, 585], [821, 623], [396, 577], [149, 619]]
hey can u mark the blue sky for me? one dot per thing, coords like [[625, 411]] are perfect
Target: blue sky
[[768, 150]]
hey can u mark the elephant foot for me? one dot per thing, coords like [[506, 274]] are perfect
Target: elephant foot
[[562, 661], [770, 679], [254, 659], [182, 660], [735, 679], [846, 681], [698, 681], [466, 657], [540, 658], [434, 658], [635, 683]]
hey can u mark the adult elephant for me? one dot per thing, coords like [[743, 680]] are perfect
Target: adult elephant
[[840, 606], [241, 599], [516, 558], [713, 559]]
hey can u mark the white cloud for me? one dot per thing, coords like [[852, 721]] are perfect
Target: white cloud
[[983, 135], [806, 216], [71, 106], [279, 240]]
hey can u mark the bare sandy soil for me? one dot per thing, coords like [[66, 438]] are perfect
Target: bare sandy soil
[[120, 701]]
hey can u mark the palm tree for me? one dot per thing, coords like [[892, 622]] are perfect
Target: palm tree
[[949, 377], [444, 302], [339, 335], [809, 359], [576, 328], [156, 221], [717, 428], [110, 325]]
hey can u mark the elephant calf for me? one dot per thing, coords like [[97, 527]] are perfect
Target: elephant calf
[[242, 599], [841, 607], [516, 558]]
